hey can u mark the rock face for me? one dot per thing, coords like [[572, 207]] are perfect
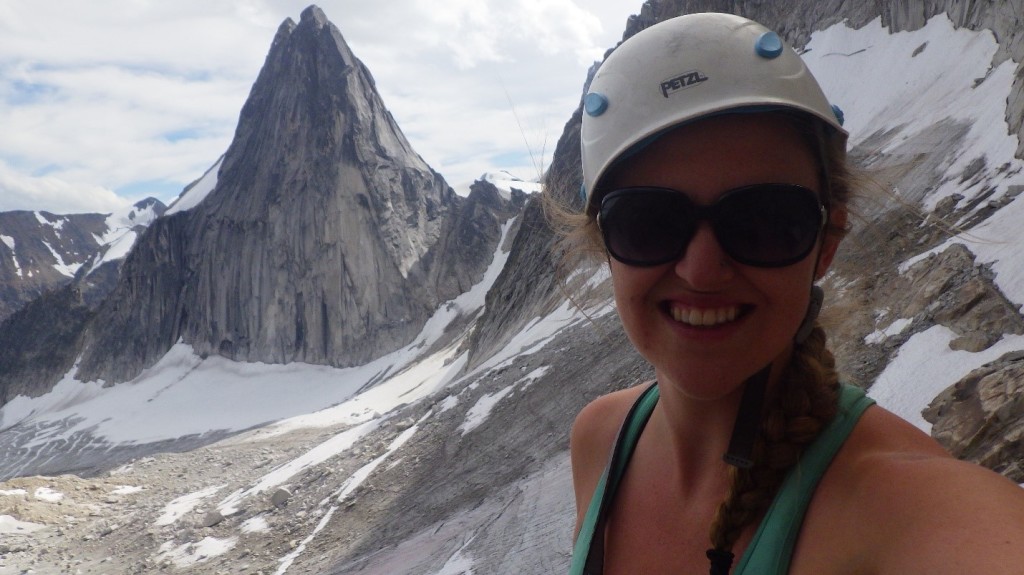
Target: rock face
[[951, 290], [326, 240], [979, 419], [40, 341]]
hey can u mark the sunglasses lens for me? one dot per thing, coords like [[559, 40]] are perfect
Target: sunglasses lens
[[645, 227], [768, 225]]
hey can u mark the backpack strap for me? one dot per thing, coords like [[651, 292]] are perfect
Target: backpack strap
[[588, 553]]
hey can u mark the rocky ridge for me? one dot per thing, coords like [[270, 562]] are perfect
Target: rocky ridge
[[41, 251]]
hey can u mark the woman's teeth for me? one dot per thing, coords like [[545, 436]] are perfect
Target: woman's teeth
[[705, 317]]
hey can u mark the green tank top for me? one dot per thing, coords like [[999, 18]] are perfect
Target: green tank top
[[771, 549]]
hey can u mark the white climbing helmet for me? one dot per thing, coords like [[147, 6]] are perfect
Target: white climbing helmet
[[691, 67]]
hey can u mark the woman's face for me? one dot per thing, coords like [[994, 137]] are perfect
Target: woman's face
[[704, 321]]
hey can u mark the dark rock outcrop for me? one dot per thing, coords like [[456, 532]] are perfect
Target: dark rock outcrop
[[530, 283], [40, 342], [949, 289]]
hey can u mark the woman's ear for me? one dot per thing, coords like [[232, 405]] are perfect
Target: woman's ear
[[829, 245]]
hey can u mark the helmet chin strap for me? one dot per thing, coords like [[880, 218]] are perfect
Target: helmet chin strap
[[748, 419], [813, 309]]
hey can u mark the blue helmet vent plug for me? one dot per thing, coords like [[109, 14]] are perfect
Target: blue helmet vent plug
[[840, 116], [595, 104], [768, 45]]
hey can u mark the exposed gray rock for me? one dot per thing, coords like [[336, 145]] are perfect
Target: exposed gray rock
[[212, 518], [327, 239], [280, 496], [529, 284], [981, 417], [950, 290], [485, 484]]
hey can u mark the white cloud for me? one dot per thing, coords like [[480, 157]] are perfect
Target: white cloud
[[140, 98], [54, 195]]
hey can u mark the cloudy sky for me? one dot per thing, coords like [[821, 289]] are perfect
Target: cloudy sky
[[109, 101]]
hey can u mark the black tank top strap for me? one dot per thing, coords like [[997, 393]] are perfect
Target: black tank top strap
[[588, 553]]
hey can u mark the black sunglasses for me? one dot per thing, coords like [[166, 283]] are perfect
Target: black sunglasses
[[763, 225]]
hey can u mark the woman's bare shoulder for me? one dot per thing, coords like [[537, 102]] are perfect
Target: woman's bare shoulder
[[924, 511], [598, 422], [611, 404], [591, 439]]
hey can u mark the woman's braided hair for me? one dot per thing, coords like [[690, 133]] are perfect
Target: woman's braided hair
[[806, 400], [802, 407]]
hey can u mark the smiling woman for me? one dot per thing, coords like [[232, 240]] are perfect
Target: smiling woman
[[718, 198]]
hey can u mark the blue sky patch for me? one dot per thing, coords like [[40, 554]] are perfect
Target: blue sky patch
[[22, 93]]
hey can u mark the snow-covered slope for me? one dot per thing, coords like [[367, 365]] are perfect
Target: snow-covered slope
[[122, 229], [506, 182], [935, 90], [324, 414], [193, 195], [224, 397]]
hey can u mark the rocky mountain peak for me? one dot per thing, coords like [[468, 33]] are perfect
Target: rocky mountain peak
[[283, 32], [150, 203], [326, 239], [314, 16]]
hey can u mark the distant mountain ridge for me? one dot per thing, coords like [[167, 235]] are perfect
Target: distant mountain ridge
[[320, 236], [42, 251]]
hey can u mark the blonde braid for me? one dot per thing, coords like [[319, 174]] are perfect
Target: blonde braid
[[805, 404]]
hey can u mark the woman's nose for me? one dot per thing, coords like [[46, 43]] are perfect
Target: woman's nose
[[704, 265]]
